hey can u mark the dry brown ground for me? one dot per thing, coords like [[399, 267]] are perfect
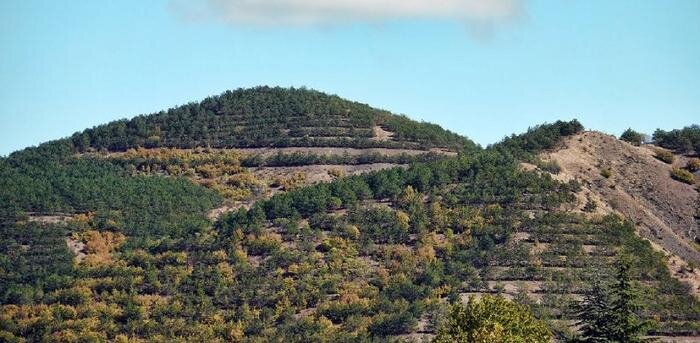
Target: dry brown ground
[[77, 248], [380, 134], [640, 188], [49, 219], [319, 172]]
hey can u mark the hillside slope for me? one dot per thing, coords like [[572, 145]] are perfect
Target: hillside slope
[[639, 187], [245, 145], [155, 229]]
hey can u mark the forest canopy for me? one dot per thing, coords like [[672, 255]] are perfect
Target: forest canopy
[[683, 140], [267, 117]]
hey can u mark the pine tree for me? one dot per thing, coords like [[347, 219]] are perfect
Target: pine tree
[[626, 326], [632, 137], [594, 314], [609, 314]]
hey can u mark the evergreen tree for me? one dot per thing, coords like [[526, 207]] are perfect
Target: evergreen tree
[[632, 137], [594, 315], [609, 314], [626, 326]]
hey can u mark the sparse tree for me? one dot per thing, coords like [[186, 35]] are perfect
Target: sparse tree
[[632, 137]]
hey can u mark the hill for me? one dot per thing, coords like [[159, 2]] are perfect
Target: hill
[[631, 181], [284, 138], [159, 229], [269, 117]]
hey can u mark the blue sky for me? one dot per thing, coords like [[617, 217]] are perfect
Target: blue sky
[[484, 72]]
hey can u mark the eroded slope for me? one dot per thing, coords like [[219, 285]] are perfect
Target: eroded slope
[[637, 185]]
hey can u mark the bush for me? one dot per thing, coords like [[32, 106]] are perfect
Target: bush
[[683, 175], [693, 165], [664, 156], [590, 206], [492, 319], [548, 166], [606, 173], [632, 137], [396, 323], [538, 138], [684, 140]]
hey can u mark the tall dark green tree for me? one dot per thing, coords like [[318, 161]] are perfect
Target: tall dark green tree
[[594, 314], [610, 314], [626, 324]]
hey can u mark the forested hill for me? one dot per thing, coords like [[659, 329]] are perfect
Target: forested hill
[[271, 214], [305, 136], [269, 117]]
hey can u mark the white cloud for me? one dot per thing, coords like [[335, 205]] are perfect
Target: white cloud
[[333, 12]]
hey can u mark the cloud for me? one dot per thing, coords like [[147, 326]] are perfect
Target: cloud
[[486, 13]]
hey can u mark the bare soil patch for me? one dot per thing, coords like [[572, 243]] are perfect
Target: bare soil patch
[[380, 134], [77, 248], [320, 172], [49, 219]]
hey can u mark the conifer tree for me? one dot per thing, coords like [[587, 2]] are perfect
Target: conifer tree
[[609, 314], [594, 315], [632, 137], [626, 326]]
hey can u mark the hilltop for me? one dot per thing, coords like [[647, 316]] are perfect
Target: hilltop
[[245, 144], [270, 117]]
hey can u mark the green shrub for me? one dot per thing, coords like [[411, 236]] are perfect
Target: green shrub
[[590, 206], [606, 173], [693, 165], [492, 319], [395, 323], [664, 156], [683, 175], [684, 140]]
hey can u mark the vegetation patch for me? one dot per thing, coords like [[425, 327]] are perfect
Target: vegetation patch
[[685, 140], [664, 156], [693, 165], [361, 258], [492, 319], [632, 137], [267, 117], [683, 176]]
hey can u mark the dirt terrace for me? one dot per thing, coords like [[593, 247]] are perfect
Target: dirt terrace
[[639, 187], [330, 151]]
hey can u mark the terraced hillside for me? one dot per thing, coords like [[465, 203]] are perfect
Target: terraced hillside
[[636, 184], [157, 229], [631, 181], [246, 145], [270, 117]]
